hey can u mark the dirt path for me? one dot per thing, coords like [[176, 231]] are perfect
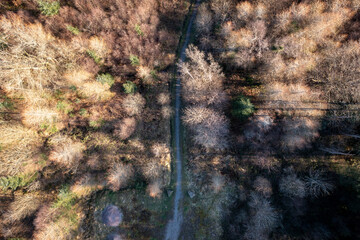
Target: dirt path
[[173, 227]]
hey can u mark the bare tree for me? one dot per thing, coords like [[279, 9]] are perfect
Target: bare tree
[[291, 186], [222, 8], [66, 152], [263, 219], [263, 186], [317, 185], [204, 20], [202, 79], [119, 176], [210, 128]]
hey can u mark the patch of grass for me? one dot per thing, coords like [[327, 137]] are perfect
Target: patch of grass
[[83, 112], [3, 43], [48, 128], [18, 181], [105, 78], [73, 30], [129, 87], [294, 26], [97, 124], [49, 8], [138, 30], [277, 48], [65, 199], [73, 88], [135, 61], [64, 107], [242, 108], [94, 56]]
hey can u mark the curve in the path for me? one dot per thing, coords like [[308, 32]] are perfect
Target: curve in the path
[[173, 227]]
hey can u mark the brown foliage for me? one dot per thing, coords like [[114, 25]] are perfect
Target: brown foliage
[[45, 59], [23, 206], [20, 147], [338, 74], [133, 104], [125, 128]]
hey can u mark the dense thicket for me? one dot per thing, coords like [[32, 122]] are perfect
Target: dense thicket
[[292, 80], [84, 101]]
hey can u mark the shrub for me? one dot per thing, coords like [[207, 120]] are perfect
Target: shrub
[[129, 87], [166, 112], [94, 56], [64, 107], [164, 98], [242, 108], [263, 186], [154, 189], [23, 206], [6, 103], [291, 186], [105, 78], [119, 176], [125, 128], [317, 185], [66, 152], [18, 181], [49, 8], [134, 60], [133, 104], [65, 199]]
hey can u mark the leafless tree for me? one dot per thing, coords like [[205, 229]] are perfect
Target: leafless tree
[[263, 186], [221, 8], [292, 186], [202, 79], [263, 218], [204, 20], [119, 176], [210, 128], [134, 104], [317, 185]]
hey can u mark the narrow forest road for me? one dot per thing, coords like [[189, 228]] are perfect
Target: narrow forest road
[[173, 227]]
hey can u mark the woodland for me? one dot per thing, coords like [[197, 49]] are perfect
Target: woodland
[[270, 116]]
